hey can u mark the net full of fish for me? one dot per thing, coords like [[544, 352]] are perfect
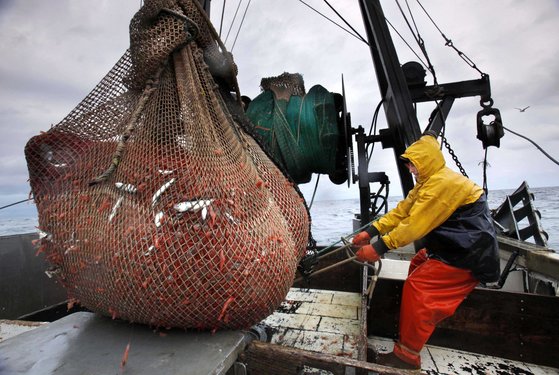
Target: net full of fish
[[155, 205]]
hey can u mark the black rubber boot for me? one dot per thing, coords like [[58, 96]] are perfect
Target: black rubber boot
[[391, 360]]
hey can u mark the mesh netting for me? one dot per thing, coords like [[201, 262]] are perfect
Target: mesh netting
[[155, 205], [300, 129]]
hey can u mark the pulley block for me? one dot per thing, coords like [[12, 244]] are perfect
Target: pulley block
[[489, 133]]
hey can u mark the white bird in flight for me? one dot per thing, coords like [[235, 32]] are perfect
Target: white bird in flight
[[523, 109]]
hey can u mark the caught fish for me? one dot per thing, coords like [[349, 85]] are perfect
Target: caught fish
[[44, 235], [127, 188], [231, 218], [151, 249], [53, 271], [165, 172], [204, 213], [72, 248], [160, 191], [193, 206], [115, 208], [50, 157], [159, 218]]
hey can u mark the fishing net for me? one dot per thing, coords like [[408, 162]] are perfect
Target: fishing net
[[300, 129], [155, 205]]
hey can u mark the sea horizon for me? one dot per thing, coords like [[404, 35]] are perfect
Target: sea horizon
[[331, 218]]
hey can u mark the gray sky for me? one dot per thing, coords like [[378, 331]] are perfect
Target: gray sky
[[54, 52]]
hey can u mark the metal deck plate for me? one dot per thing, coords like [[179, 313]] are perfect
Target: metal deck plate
[[11, 328], [86, 343]]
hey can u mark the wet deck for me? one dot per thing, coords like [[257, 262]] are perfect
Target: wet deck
[[328, 322], [315, 320], [86, 343], [436, 360], [318, 320]]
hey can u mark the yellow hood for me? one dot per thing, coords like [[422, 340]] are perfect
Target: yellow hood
[[426, 155]]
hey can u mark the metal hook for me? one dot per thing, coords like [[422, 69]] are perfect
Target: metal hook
[[484, 105]]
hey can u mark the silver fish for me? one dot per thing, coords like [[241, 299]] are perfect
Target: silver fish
[[158, 218], [231, 218], [160, 191], [70, 249], [204, 213], [193, 206], [115, 207], [53, 271], [44, 235], [151, 249], [127, 188], [165, 172]]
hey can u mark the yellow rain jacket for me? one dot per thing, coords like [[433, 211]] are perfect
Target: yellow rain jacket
[[448, 209]]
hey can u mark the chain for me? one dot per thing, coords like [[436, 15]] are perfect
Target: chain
[[449, 43], [454, 157]]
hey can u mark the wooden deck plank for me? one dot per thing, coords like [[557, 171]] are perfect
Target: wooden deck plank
[[322, 309], [333, 325], [298, 321], [318, 320], [436, 360]]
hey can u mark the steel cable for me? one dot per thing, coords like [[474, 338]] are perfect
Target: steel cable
[[344, 29], [534, 143], [13, 204], [241, 25]]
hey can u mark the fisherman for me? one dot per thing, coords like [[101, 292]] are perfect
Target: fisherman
[[450, 213]]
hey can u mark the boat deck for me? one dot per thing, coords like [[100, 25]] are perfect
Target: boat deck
[[315, 320], [328, 322], [318, 320], [436, 360]]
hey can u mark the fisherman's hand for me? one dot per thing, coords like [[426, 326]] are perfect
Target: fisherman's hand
[[372, 252], [361, 238], [367, 253], [364, 237]]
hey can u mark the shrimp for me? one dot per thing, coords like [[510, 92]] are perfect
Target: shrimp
[[225, 306], [125, 356]]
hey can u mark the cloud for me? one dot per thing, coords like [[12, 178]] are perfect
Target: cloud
[[55, 52]]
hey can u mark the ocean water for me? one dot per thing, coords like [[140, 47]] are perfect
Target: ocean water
[[331, 219]]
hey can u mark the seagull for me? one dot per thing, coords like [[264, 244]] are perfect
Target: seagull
[[523, 109]]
